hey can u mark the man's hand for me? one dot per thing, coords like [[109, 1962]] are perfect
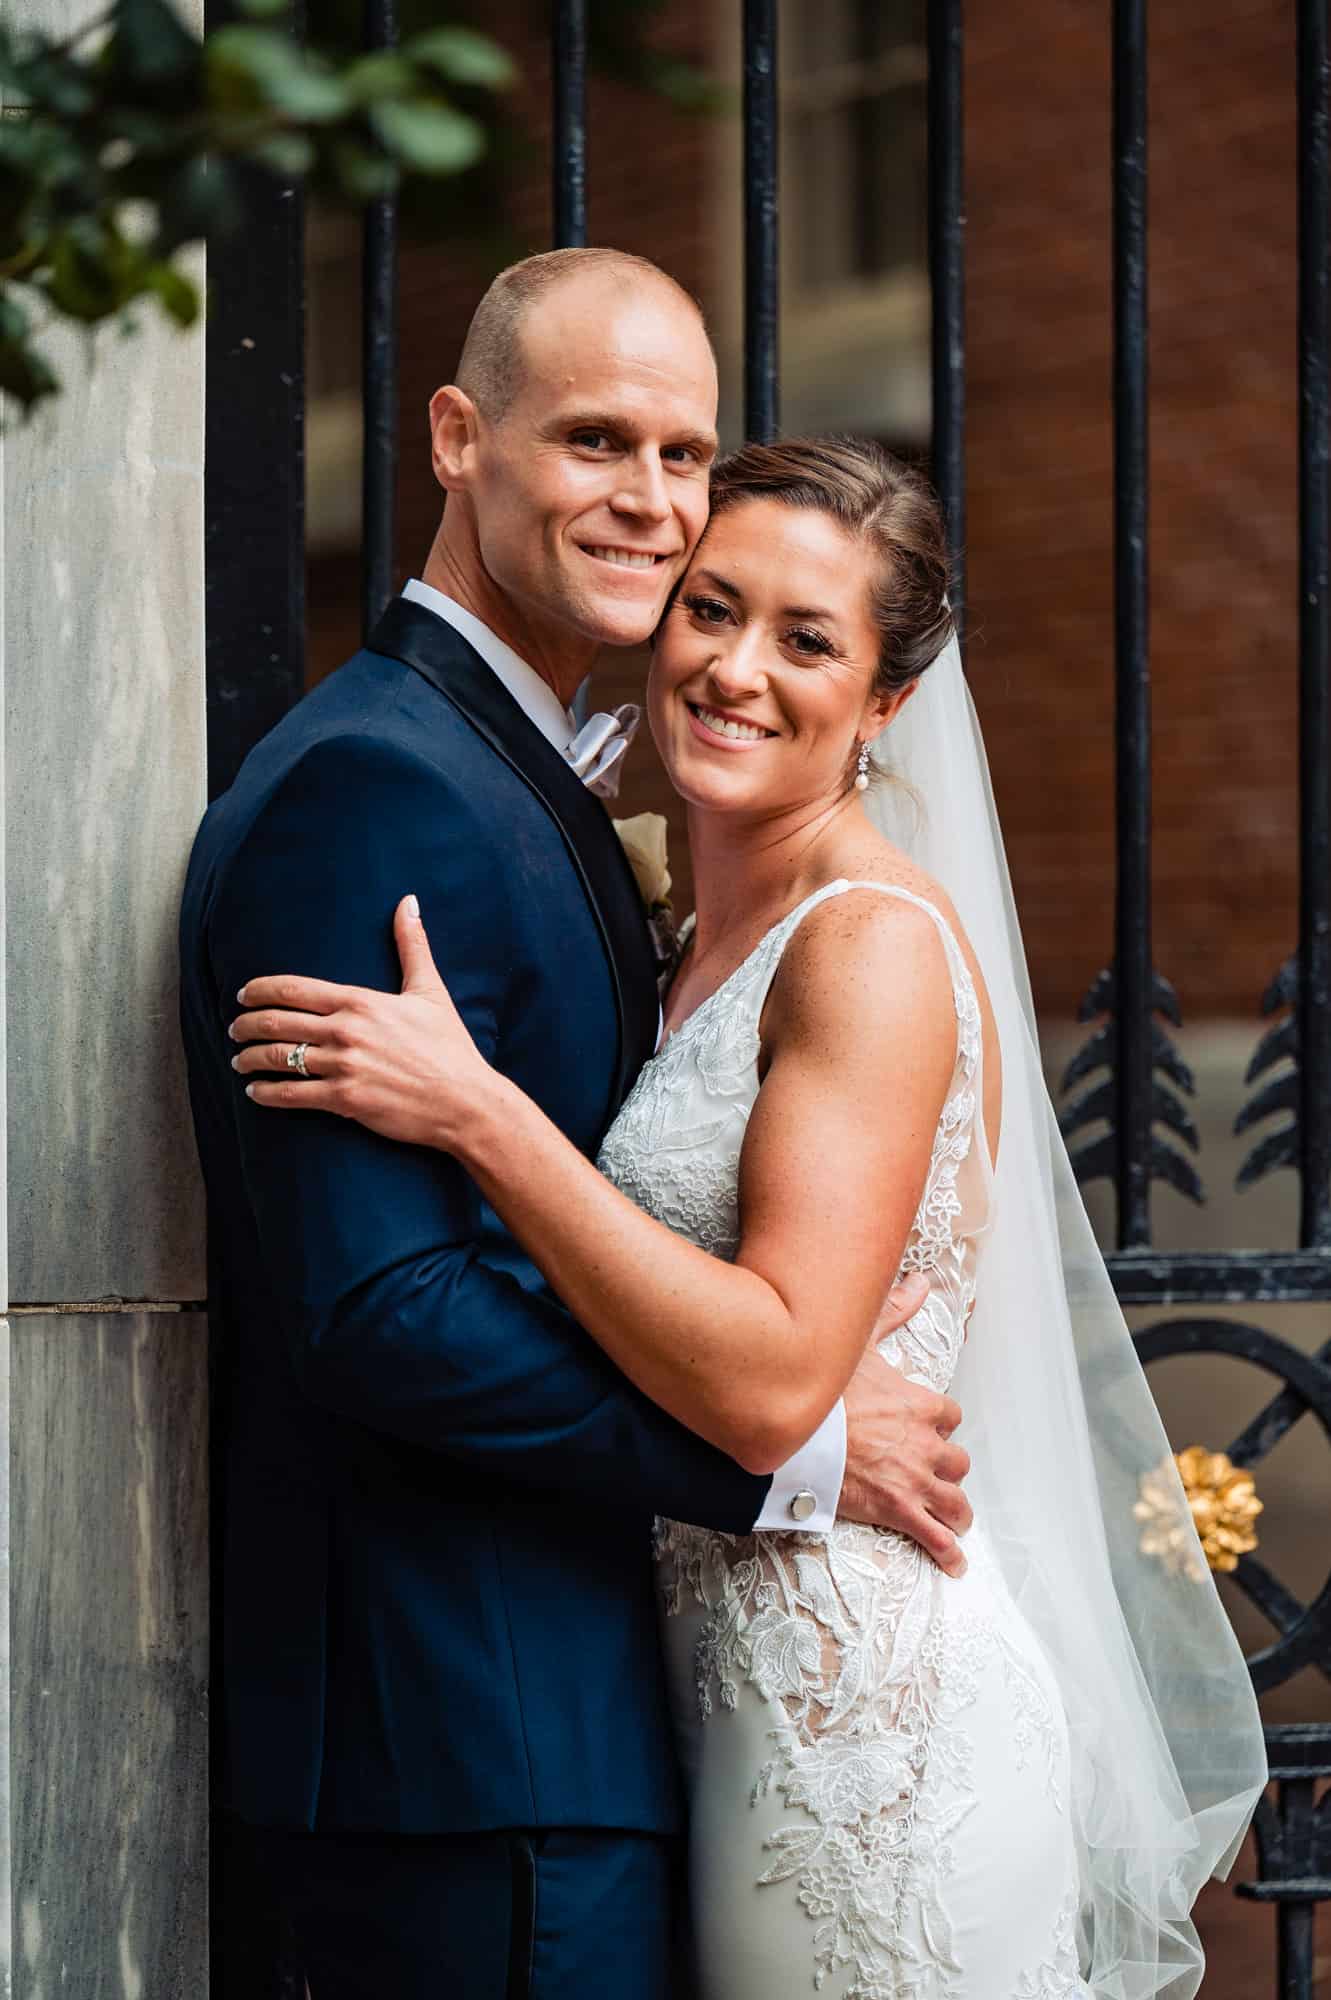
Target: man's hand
[[901, 1470]]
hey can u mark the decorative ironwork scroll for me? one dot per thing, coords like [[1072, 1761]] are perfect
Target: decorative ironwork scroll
[[1099, 1158]]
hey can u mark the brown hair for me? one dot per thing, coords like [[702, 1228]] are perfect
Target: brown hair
[[879, 501], [491, 367]]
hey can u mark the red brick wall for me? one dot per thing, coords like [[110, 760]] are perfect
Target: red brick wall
[[1222, 277], [1039, 464]]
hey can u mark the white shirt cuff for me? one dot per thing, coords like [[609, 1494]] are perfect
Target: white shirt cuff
[[806, 1489]]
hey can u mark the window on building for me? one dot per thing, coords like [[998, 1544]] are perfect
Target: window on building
[[855, 304], [853, 171]]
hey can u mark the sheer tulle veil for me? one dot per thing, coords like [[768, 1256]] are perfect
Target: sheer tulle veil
[[1167, 1748]]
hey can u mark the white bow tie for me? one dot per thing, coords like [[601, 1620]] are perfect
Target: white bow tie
[[597, 751]]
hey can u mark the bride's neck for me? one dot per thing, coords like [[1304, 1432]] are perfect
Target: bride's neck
[[746, 871]]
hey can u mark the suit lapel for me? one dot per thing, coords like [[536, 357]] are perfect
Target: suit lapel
[[422, 640]]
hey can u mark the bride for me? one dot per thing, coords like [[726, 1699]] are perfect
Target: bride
[[1007, 1786]]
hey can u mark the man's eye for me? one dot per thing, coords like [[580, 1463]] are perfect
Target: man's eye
[[709, 609], [590, 440], [680, 454]]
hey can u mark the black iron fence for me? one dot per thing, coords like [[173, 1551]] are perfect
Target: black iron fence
[[1141, 1079], [1128, 1079]]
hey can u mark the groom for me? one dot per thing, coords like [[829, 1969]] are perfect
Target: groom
[[444, 1712]]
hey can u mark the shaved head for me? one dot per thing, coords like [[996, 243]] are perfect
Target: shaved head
[[493, 361], [574, 447]]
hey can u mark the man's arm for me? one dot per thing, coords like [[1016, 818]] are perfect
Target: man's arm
[[391, 1315], [407, 1067]]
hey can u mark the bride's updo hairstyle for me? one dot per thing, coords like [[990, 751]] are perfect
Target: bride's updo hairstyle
[[878, 501]]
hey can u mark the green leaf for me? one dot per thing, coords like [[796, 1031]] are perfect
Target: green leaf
[[463, 56], [152, 132], [40, 152], [54, 82], [14, 322], [175, 291], [93, 271], [151, 44], [361, 174], [289, 155], [19, 251], [24, 374], [429, 137], [253, 67], [380, 74], [200, 195], [10, 63], [265, 10]]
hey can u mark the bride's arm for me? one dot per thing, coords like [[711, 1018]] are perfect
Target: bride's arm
[[860, 1038]]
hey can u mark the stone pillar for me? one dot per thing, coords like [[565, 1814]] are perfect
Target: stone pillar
[[104, 1365]]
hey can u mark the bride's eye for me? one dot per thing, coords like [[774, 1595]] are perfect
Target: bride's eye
[[710, 610], [808, 642]]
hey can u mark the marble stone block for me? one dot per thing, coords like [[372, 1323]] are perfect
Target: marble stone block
[[104, 706], [6, 1900], [4, 1223], [108, 1483]]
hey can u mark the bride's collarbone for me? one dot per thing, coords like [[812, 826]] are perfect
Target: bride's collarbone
[[701, 975]]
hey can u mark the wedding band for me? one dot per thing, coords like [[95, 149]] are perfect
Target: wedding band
[[296, 1058]]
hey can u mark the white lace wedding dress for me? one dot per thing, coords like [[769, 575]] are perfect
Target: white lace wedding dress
[[876, 1755]]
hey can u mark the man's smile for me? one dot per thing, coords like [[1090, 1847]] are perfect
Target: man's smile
[[627, 558]]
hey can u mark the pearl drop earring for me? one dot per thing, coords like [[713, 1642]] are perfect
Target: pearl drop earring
[[862, 769]]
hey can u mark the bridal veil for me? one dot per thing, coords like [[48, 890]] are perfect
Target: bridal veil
[[1167, 1748]]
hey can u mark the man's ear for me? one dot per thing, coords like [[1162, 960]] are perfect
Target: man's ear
[[454, 435]]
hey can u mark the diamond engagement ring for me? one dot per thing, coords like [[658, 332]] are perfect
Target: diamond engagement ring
[[296, 1058]]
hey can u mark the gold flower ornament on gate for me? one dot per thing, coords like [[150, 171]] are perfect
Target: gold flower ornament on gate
[[1222, 1500]]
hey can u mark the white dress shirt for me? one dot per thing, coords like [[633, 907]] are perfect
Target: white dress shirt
[[805, 1490]]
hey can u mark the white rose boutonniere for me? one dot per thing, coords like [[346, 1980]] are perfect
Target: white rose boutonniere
[[644, 839]]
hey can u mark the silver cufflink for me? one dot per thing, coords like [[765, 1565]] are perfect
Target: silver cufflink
[[804, 1504]]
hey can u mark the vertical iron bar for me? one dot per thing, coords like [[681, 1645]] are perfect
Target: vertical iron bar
[[378, 371], [1295, 1914], [568, 69], [1314, 999], [761, 416], [947, 275], [254, 453], [568, 73], [1294, 1950], [1132, 914], [254, 623]]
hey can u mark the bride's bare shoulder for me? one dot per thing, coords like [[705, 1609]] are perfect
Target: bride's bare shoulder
[[856, 947], [876, 944], [859, 963], [880, 861]]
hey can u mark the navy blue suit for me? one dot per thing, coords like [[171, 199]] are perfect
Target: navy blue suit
[[437, 1600]]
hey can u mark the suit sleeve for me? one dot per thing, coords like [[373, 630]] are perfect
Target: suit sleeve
[[392, 1316]]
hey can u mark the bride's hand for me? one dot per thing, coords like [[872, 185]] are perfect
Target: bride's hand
[[402, 1064]]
